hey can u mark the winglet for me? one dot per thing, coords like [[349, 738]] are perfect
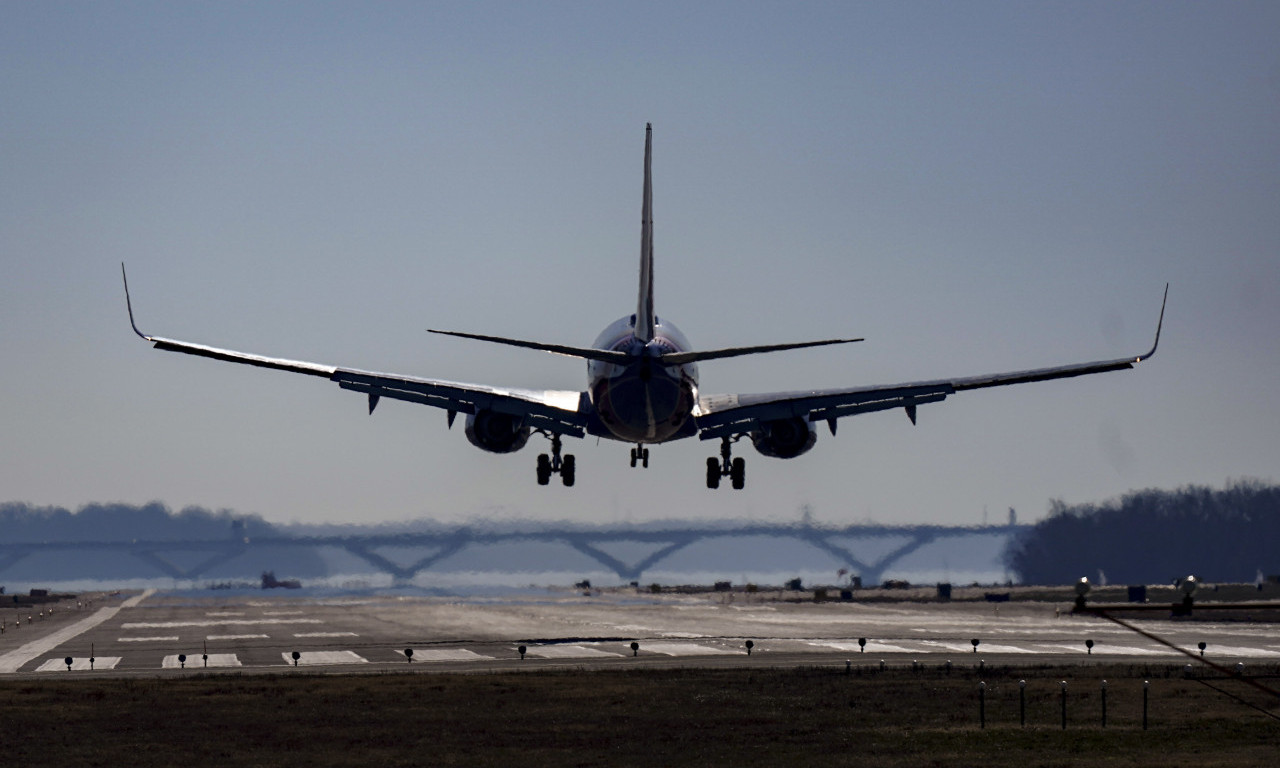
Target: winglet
[[1159, 325], [645, 320], [129, 304]]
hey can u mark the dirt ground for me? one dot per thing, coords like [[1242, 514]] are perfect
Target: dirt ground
[[651, 717]]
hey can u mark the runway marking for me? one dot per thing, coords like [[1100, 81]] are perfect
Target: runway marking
[[195, 662], [325, 634], [1112, 650], [567, 652], [1237, 650], [133, 601], [686, 649], [982, 647], [172, 638], [447, 654], [283, 613], [225, 613], [79, 665], [213, 623], [872, 646], [317, 658], [11, 661], [237, 637]]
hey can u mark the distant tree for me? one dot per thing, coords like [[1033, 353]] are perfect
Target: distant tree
[[1155, 536]]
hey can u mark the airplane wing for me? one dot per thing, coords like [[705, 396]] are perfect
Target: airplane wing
[[729, 415], [556, 411]]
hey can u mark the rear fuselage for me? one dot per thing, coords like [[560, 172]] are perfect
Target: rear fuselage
[[643, 400]]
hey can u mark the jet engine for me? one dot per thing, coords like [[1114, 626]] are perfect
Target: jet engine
[[784, 438], [497, 432]]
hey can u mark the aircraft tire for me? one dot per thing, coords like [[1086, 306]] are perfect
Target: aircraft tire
[[567, 470], [713, 472], [544, 469], [738, 473]]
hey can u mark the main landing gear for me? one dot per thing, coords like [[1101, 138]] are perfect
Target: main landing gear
[[555, 465], [640, 454], [725, 466]]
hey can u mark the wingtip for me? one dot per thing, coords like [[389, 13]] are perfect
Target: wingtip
[[1159, 325], [129, 303]]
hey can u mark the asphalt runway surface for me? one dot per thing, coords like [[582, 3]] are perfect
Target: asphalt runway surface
[[258, 632]]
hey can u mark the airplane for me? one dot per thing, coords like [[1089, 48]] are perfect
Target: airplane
[[642, 388]]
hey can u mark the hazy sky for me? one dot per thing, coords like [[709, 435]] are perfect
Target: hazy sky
[[973, 187]]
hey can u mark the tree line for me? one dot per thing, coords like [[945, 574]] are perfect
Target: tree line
[[1155, 536]]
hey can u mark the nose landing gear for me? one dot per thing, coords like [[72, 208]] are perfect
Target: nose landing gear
[[556, 465], [640, 454], [726, 466]]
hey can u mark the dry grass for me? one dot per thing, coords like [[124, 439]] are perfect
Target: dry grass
[[738, 717]]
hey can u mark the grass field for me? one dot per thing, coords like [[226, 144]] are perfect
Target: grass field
[[653, 717]]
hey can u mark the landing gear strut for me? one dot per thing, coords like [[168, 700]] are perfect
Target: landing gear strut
[[726, 466], [555, 464], [640, 454]]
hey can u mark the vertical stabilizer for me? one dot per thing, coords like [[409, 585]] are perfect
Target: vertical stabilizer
[[645, 319]]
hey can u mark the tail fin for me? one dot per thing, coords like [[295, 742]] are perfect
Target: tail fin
[[645, 319]]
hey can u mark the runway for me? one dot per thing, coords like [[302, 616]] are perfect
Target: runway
[[260, 632]]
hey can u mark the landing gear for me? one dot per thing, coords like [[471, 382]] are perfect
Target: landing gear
[[555, 464], [640, 454], [727, 466]]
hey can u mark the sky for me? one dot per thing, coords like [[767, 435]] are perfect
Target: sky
[[973, 187]]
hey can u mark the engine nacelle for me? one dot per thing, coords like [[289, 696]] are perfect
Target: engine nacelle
[[497, 432], [784, 438]]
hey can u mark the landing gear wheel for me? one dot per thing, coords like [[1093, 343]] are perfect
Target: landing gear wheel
[[713, 472], [738, 473], [640, 455], [544, 469], [567, 470]]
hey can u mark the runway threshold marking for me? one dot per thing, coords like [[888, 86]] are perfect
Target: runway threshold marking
[[325, 634], [687, 649], [195, 662], [167, 638], [79, 665], [1102, 649], [447, 654], [213, 623], [567, 652], [318, 658], [873, 647], [1239, 650]]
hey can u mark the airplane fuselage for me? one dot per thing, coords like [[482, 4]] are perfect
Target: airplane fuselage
[[643, 400]]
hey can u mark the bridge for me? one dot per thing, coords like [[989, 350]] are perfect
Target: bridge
[[405, 556]]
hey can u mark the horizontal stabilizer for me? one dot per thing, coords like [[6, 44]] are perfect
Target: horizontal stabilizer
[[587, 353], [680, 358]]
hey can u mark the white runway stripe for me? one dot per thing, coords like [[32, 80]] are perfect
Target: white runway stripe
[[686, 649], [213, 623], [325, 634], [170, 638], [567, 652], [1236, 650], [317, 658], [873, 646], [237, 637], [79, 665], [1102, 649], [447, 654], [11, 661], [195, 662]]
